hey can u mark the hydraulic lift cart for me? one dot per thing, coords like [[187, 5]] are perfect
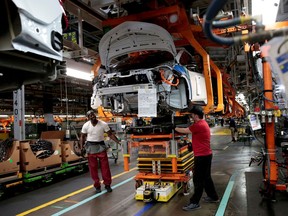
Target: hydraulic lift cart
[[164, 163]]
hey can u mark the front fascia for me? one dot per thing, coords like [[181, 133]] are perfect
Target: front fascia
[[130, 37]]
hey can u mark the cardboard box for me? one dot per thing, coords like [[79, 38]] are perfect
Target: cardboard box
[[11, 165], [68, 154], [53, 135], [29, 161]]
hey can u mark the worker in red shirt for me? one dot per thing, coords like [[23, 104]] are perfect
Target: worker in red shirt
[[202, 159]]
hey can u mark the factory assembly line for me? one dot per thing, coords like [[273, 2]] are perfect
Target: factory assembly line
[[152, 67]]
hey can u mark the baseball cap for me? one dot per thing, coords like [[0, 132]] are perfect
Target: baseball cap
[[90, 112], [197, 110]]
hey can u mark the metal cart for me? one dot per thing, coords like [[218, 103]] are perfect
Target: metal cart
[[245, 133]]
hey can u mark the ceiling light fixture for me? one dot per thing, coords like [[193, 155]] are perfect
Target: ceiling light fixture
[[267, 8], [79, 74]]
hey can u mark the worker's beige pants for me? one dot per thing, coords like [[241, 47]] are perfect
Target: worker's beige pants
[[233, 133]]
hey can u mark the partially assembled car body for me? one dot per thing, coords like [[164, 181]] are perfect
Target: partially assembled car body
[[138, 55], [30, 42]]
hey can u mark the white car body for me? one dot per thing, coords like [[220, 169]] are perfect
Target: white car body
[[157, 66], [30, 41]]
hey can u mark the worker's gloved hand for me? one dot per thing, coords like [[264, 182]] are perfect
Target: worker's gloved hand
[[78, 149]]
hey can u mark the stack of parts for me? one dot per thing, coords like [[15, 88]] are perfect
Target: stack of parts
[[185, 161]]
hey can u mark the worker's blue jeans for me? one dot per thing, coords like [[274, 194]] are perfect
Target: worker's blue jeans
[[104, 166]]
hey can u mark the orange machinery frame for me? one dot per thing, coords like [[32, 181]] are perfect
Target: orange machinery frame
[[271, 173], [183, 30], [271, 170], [174, 176]]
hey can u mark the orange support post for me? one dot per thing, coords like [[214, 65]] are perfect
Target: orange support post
[[206, 68], [126, 162], [174, 165], [270, 130], [220, 106], [184, 28]]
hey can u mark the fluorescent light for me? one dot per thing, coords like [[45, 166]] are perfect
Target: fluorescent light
[[267, 8], [78, 74]]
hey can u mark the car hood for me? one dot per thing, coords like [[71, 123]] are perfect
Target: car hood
[[37, 10], [130, 37]]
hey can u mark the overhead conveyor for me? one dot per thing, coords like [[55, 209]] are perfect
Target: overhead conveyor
[[183, 33]]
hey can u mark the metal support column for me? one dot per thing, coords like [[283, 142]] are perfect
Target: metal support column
[[126, 153], [174, 148], [80, 29], [19, 113]]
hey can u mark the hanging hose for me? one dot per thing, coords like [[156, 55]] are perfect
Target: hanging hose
[[226, 23], [213, 9], [259, 35], [5, 149]]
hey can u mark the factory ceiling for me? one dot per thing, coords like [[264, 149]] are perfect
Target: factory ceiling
[[92, 14]]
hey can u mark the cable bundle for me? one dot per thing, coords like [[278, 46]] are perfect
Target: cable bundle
[[5, 149], [42, 149]]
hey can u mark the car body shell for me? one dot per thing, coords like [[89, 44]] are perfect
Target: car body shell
[[138, 55]]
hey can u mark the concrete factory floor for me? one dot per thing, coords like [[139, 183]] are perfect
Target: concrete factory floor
[[236, 183]]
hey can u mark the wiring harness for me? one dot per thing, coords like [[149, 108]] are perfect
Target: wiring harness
[[42, 149], [5, 149]]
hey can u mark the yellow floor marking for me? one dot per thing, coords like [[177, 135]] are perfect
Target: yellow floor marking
[[71, 201], [222, 132], [68, 195]]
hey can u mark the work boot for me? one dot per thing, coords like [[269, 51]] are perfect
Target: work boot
[[98, 189], [191, 207], [210, 200], [108, 188]]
